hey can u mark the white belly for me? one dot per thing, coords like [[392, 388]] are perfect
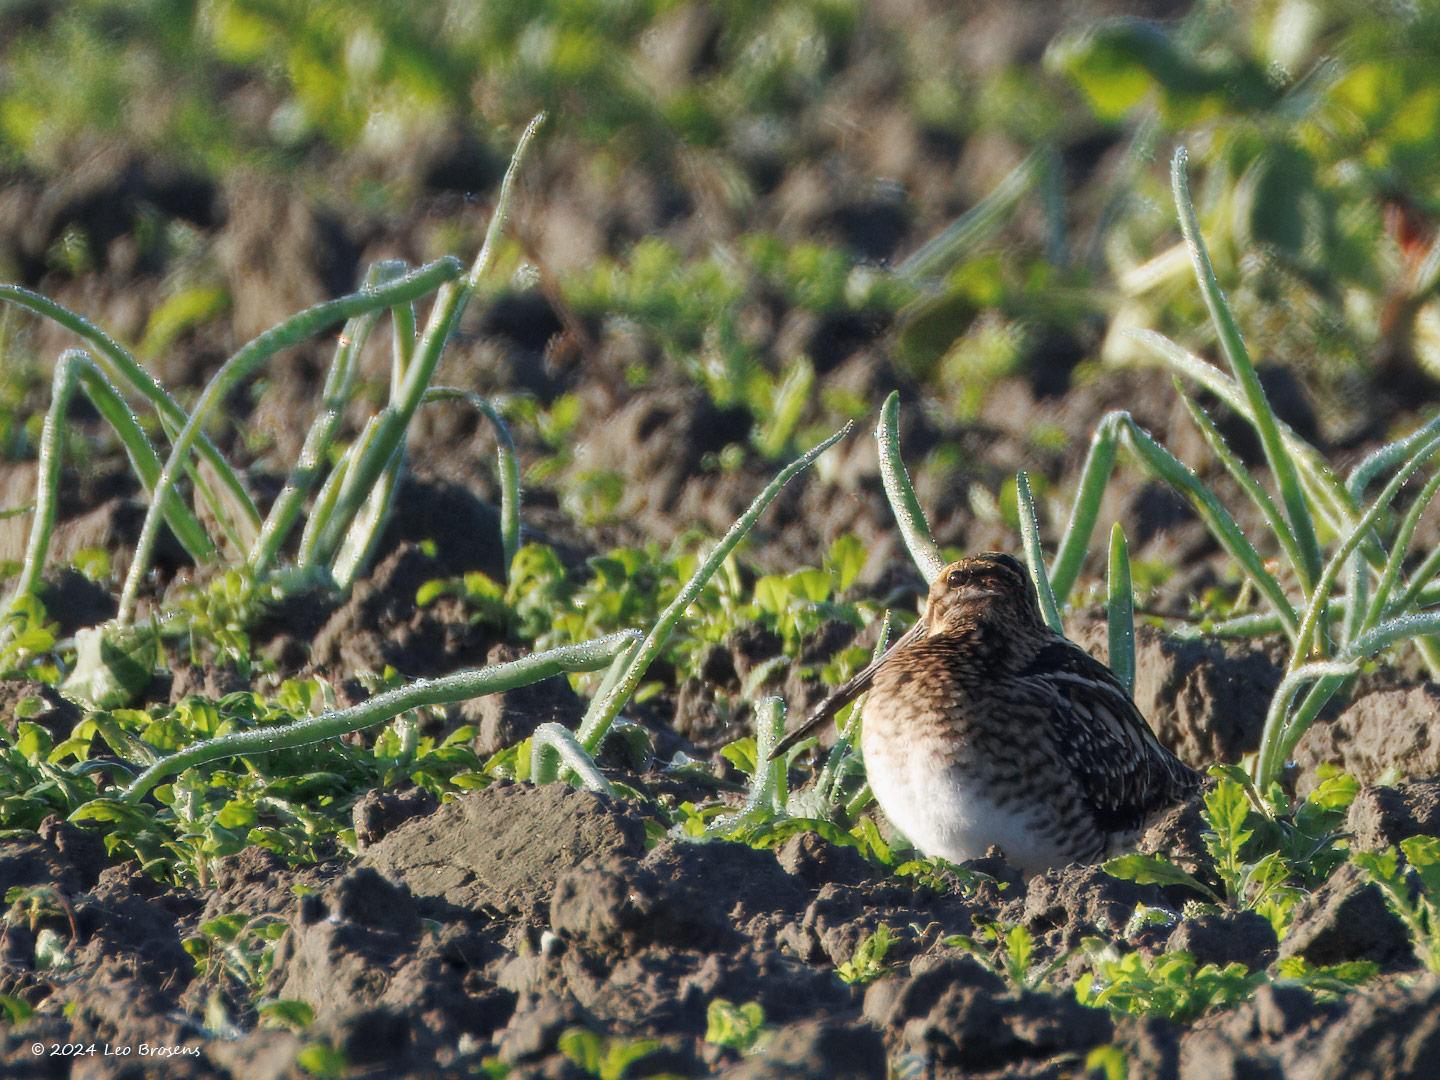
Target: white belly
[[943, 815]]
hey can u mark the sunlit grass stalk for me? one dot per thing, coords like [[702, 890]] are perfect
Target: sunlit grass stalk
[[1399, 546], [769, 784], [1118, 427], [938, 255], [1232, 343], [365, 531], [461, 686], [1314, 611], [901, 495], [1241, 475], [597, 723], [334, 397], [1085, 509], [124, 370], [1281, 734], [1034, 554], [142, 456], [294, 329], [1328, 494], [1120, 610], [507, 464], [445, 315], [47, 485], [552, 746]]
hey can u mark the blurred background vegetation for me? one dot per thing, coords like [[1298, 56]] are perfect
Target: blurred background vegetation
[[790, 206]]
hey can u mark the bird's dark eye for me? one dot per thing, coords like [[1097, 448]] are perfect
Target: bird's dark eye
[[955, 579]]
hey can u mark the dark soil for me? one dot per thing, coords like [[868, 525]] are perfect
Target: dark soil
[[489, 926]]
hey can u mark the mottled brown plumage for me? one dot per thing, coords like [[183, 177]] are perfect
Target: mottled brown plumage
[[983, 726]]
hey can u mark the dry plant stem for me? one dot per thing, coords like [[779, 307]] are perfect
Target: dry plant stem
[[365, 470], [1233, 345], [598, 721], [296, 328], [937, 256], [124, 370], [901, 495], [461, 686], [1034, 554]]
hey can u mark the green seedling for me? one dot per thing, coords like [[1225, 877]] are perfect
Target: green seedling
[[737, 1027], [1412, 890], [1172, 985], [1009, 951], [870, 960], [605, 1057], [1258, 861]]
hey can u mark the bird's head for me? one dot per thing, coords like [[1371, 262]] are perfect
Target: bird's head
[[990, 590]]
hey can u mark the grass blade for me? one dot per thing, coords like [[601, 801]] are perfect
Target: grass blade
[[507, 465], [445, 315], [597, 723], [296, 328], [124, 370], [334, 397], [908, 515], [461, 686], [1034, 556], [1233, 345], [1315, 609], [1174, 472], [1241, 475], [1085, 510], [1326, 491], [1120, 610], [553, 745], [63, 382], [1399, 547], [143, 458]]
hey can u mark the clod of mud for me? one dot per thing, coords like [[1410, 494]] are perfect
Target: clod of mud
[[1239, 937], [505, 719], [360, 946], [1394, 1032], [1388, 730], [1345, 919], [22, 699], [379, 812], [381, 625], [503, 848], [1383, 816], [828, 1047], [1205, 699], [966, 1019], [1062, 906]]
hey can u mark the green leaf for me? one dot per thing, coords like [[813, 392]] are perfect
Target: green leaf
[[1153, 870], [113, 664]]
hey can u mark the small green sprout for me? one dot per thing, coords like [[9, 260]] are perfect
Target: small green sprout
[[736, 1027], [869, 960]]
